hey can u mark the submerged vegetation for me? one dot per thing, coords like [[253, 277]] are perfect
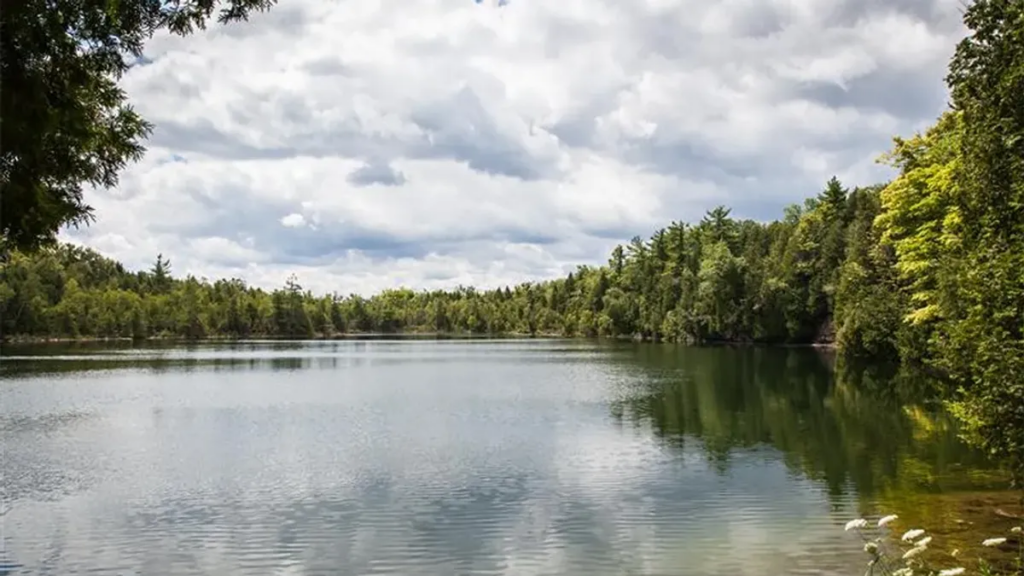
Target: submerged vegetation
[[917, 552]]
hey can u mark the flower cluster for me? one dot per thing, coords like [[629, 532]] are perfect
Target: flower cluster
[[909, 561]]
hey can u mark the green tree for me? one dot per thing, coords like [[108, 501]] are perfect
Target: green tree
[[64, 121], [869, 300], [980, 341], [920, 218], [721, 277]]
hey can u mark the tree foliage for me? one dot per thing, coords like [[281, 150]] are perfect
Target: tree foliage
[[979, 341], [955, 218], [719, 280], [64, 122]]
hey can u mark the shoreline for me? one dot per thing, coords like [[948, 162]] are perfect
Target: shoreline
[[42, 340]]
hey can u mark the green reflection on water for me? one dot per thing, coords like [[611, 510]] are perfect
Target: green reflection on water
[[870, 429], [865, 431]]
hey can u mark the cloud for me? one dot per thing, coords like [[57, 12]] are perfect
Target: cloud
[[376, 173], [363, 145], [293, 220]]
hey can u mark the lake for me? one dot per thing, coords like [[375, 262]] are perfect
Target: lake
[[454, 457]]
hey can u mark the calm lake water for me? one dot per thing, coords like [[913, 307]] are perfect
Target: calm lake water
[[451, 457]]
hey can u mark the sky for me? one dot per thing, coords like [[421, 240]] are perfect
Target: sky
[[362, 145]]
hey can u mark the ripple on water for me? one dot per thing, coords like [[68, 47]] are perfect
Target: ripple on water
[[454, 458]]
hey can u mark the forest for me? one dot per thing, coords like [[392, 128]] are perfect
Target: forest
[[927, 269], [721, 279]]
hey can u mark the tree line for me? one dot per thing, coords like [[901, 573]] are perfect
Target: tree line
[[720, 279]]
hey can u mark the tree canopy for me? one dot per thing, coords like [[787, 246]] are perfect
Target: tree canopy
[[720, 279], [979, 333], [64, 122]]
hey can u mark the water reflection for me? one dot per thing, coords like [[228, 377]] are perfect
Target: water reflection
[[450, 458], [158, 357], [854, 428]]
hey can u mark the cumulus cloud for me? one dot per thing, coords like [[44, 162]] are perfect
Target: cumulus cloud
[[293, 220], [363, 145]]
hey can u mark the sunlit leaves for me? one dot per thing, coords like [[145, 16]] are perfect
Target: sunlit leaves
[[920, 218]]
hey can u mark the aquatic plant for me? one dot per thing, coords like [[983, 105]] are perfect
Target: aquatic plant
[[907, 555]]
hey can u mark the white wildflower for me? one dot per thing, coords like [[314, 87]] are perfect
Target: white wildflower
[[886, 519], [911, 534], [994, 542], [858, 523], [1016, 529], [913, 552], [871, 548], [952, 572], [924, 541]]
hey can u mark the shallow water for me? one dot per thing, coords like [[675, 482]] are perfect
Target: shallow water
[[449, 457]]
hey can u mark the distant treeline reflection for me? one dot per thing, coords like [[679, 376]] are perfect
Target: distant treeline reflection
[[866, 428]]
